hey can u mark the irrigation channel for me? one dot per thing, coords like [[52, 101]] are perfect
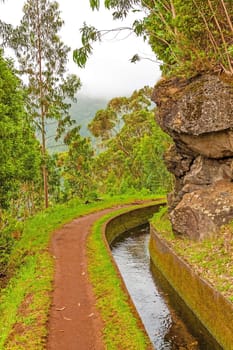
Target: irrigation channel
[[166, 330]]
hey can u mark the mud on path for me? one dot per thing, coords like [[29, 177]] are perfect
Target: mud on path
[[74, 323]]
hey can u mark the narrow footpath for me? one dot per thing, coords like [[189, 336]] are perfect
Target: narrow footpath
[[74, 323]]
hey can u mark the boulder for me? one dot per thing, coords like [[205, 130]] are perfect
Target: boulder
[[201, 213], [198, 114], [203, 104]]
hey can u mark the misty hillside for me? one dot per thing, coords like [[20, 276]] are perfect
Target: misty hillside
[[82, 112]]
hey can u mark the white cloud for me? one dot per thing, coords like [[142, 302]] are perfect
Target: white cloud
[[108, 72]]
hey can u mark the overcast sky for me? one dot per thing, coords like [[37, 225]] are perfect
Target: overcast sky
[[108, 72]]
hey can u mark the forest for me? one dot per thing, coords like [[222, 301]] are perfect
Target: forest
[[119, 159], [119, 148]]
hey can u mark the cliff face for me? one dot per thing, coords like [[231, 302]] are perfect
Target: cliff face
[[198, 115]]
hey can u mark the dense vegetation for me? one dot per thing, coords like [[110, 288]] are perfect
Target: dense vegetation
[[124, 156], [133, 146], [20, 155]]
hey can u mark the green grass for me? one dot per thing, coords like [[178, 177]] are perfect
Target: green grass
[[162, 223], [211, 258], [25, 301], [121, 326]]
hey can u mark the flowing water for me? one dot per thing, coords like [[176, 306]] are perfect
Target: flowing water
[[165, 329]]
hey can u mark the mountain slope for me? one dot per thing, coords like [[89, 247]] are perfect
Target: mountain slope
[[83, 111]]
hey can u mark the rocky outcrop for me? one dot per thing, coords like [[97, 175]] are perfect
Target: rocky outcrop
[[201, 212], [198, 115]]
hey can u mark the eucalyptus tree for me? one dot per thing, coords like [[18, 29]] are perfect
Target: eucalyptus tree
[[43, 58], [187, 36], [133, 152], [5, 28], [76, 165], [191, 36]]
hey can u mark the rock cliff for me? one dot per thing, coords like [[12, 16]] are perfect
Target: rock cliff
[[198, 115]]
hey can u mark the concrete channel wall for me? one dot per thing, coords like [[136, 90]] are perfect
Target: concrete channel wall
[[115, 227], [128, 220], [213, 310]]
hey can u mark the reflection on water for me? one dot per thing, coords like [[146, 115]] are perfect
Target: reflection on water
[[132, 257]]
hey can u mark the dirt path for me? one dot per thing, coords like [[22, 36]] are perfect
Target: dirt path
[[74, 323]]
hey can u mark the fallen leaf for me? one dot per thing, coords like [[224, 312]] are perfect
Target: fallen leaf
[[60, 309], [67, 318]]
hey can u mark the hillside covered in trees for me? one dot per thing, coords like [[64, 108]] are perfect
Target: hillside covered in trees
[[82, 112]]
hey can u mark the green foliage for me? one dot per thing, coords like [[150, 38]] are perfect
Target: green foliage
[[95, 4], [187, 36], [191, 36], [121, 7], [42, 59], [89, 35], [162, 224], [82, 112], [133, 146], [103, 123], [19, 150], [6, 245], [76, 165]]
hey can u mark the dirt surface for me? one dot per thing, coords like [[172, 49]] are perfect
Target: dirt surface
[[74, 323]]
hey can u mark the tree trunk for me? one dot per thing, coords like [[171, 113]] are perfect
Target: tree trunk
[[44, 168], [42, 111]]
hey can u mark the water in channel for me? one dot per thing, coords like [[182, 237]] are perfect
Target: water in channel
[[165, 329]]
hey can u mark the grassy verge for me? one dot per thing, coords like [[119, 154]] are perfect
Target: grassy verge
[[24, 303], [121, 327], [211, 258]]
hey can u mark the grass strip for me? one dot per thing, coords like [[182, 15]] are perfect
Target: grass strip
[[211, 258], [121, 326], [24, 303]]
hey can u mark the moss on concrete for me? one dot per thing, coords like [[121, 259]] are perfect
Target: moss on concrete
[[133, 218], [213, 310]]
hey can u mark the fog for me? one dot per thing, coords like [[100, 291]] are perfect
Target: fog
[[108, 72]]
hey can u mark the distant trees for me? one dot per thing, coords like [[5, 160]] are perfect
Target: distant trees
[[76, 165], [126, 155], [133, 146], [43, 57]]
